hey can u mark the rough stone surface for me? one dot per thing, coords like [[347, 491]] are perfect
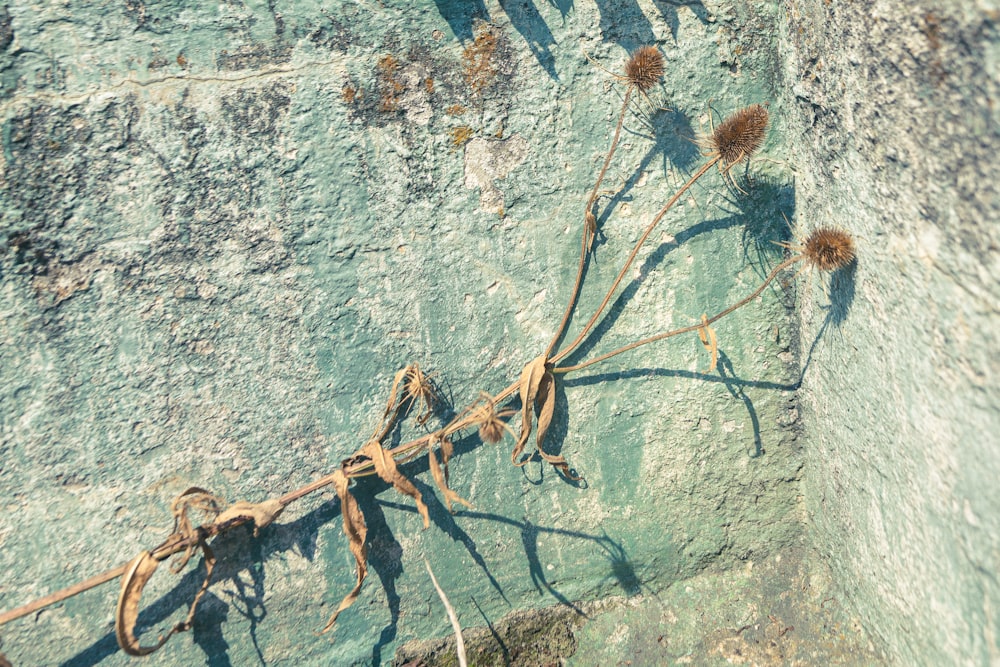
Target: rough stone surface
[[225, 227], [898, 128]]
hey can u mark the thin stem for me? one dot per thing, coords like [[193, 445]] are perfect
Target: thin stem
[[452, 617], [360, 468], [64, 594], [694, 327], [588, 232], [631, 258]]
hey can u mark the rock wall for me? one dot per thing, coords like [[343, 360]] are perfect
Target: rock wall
[[896, 136]]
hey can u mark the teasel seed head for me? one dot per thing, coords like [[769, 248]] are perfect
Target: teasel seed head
[[740, 135], [490, 420], [828, 249], [644, 68], [491, 431]]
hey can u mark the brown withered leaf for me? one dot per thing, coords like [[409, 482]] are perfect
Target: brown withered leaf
[[591, 233], [545, 402], [447, 449], [392, 407], [137, 575], [261, 514], [531, 377], [194, 498], [356, 531], [709, 340], [439, 477], [386, 469]]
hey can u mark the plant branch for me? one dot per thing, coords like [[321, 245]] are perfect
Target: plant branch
[[631, 258], [694, 327], [589, 227]]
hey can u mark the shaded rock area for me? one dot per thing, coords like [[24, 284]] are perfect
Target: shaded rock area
[[783, 610]]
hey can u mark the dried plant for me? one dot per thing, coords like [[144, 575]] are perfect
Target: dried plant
[[828, 249], [412, 391], [739, 136], [452, 617], [644, 68]]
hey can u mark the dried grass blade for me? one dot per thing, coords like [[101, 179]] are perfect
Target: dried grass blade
[[710, 341], [449, 495], [356, 531], [531, 377], [452, 617], [385, 468]]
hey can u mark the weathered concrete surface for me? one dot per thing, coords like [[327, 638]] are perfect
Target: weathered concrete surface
[[781, 610], [896, 138], [225, 227]]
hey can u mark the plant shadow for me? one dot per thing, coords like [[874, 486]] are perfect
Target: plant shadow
[[240, 569]]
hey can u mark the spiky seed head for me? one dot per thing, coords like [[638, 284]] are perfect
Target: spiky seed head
[[644, 67], [739, 136], [829, 249], [491, 430]]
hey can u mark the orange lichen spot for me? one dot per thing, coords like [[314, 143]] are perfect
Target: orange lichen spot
[[388, 64], [181, 60], [460, 135], [429, 85], [389, 84], [455, 110], [479, 66], [349, 94]]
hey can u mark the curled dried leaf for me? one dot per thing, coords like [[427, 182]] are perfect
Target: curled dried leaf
[[385, 468], [591, 222], [439, 478], [710, 341], [420, 389], [356, 532], [545, 403], [531, 377], [262, 514], [196, 499], [137, 575]]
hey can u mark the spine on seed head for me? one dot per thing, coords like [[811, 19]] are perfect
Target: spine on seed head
[[740, 135], [829, 249], [644, 68]]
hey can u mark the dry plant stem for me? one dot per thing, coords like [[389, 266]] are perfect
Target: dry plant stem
[[694, 327], [588, 232], [631, 258], [64, 594], [452, 617], [351, 470]]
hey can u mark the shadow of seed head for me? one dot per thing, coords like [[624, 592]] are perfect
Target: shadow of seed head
[[829, 249], [739, 136], [644, 68]]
